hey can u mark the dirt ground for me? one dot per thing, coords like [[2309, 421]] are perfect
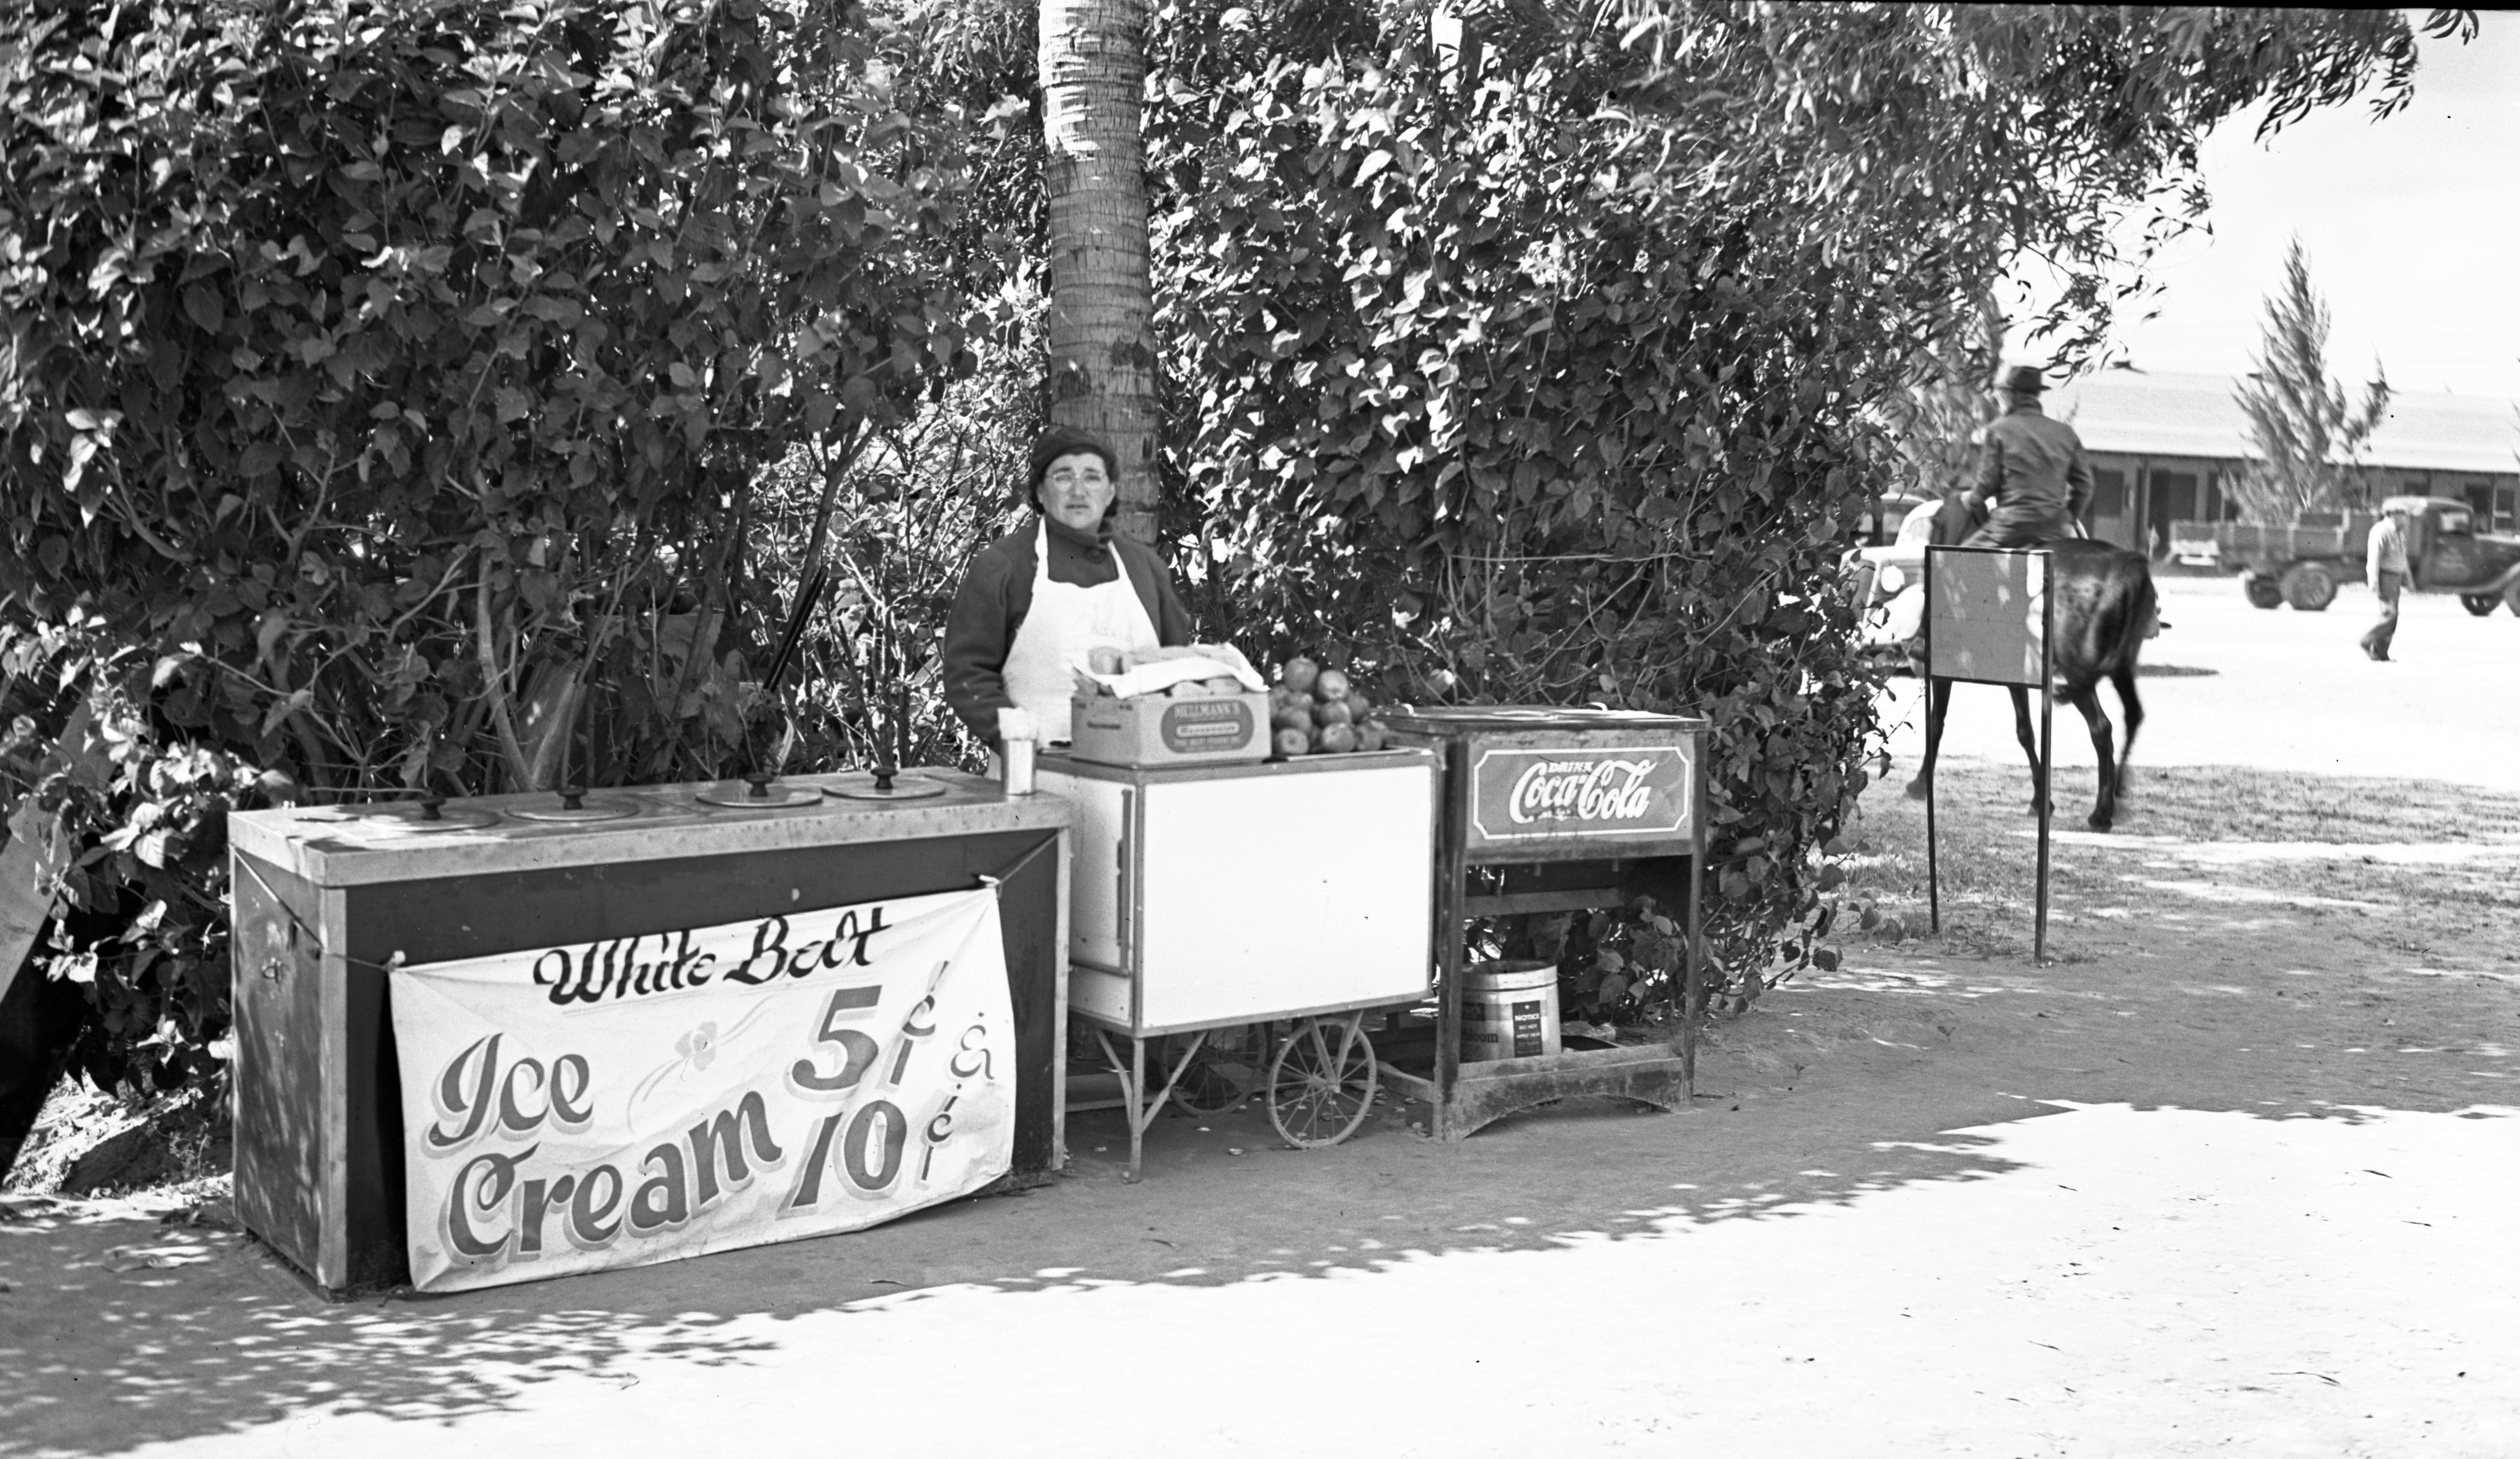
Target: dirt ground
[[2237, 1172]]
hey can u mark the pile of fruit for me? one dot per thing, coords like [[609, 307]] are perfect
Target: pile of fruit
[[1316, 710]]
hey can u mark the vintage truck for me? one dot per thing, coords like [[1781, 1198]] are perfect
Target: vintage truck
[[2303, 565]]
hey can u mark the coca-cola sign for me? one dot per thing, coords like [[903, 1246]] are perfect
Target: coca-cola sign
[[1628, 790]]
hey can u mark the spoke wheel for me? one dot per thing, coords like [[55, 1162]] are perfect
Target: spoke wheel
[[1223, 1073], [1322, 1083]]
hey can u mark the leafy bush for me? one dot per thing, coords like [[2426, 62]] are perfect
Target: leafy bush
[[388, 385], [1465, 416], [1548, 370], [379, 375]]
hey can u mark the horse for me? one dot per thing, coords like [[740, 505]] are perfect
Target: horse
[[2105, 608]]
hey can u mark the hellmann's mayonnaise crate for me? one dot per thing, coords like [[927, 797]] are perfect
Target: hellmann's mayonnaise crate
[[1157, 729]]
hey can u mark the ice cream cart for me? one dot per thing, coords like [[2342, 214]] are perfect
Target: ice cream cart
[[1552, 810], [1208, 897], [613, 895]]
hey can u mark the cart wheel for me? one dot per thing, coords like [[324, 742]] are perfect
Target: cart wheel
[[1223, 1073], [1321, 1082]]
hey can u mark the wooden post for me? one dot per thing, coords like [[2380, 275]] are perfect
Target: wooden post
[[1452, 875]]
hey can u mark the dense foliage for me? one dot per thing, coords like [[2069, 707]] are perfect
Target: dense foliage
[[1548, 368], [377, 375], [390, 384]]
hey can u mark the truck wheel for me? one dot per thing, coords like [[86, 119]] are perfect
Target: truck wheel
[[2261, 590], [2511, 598], [2308, 587], [2482, 605]]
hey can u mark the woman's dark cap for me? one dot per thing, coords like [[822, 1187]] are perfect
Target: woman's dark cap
[[1057, 443]]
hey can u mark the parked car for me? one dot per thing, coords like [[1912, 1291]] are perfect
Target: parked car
[[1879, 524], [2303, 565], [2193, 544], [1888, 585]]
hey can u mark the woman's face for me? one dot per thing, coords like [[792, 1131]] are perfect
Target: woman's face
[[1077, 490]]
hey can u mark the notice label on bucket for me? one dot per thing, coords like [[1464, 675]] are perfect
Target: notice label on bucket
[[1527, 1037]]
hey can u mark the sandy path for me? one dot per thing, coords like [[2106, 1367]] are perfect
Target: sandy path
[[2239, 1173]]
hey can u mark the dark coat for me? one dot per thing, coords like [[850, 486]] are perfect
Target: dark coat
[[997, 593], [2033, 475]]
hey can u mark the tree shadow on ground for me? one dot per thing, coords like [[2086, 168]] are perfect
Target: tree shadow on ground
[[118, 1330]]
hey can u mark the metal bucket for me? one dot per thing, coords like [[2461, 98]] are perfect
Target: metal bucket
[[1509, 1011]]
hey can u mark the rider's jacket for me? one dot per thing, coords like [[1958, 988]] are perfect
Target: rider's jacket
[[2033, 473]]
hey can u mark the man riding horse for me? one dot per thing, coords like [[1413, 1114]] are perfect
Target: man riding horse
[[2031, 473], [2032, 484]]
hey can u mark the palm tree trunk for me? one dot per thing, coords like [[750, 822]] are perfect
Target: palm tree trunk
[[1102, 299]]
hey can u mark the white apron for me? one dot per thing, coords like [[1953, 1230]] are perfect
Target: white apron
[[1064, 622]]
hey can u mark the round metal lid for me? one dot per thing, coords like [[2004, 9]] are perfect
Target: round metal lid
[[740, 794], [589, 809], [408, 816], [860, 786]]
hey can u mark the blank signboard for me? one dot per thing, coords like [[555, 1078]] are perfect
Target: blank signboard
[[1986, 614]]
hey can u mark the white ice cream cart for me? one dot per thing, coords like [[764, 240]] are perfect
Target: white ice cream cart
[[1235, 897]]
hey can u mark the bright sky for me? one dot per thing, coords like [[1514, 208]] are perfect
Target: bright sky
[[2412, 226]]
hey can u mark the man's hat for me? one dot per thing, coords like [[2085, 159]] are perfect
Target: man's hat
[[2024, 380]]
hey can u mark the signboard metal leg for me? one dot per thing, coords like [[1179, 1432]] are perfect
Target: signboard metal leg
[[2046, 741], [1933, 736], [1694, 966], [1933, 864]]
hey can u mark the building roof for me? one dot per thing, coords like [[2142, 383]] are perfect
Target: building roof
[[2139, 413]]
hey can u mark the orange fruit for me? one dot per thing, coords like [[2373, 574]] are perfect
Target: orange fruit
[[1329, 686], [1370, 735], [1293, 742], [1294, 716], [1298, 674], [1338, 739], [1334, 711]]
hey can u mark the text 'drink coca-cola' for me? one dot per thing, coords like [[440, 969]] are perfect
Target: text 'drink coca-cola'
[[1623, 792]]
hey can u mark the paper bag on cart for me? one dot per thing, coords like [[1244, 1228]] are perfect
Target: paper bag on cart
[[1204, 703], [1166, 670]]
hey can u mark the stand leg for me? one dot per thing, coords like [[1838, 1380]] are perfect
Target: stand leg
[[2047, 809], [1451, 877], [1933, 867], [1139, 1110], [1137, 1121]]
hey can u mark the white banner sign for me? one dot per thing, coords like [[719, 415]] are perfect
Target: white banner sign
[[644, 1099]]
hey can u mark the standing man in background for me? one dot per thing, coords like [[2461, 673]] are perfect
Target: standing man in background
[[2385, 563], [2031, 475]]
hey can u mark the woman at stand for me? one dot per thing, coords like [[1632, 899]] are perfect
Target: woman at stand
[[1036, 602]]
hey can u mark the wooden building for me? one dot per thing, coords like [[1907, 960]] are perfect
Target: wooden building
[[2165, 447]]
